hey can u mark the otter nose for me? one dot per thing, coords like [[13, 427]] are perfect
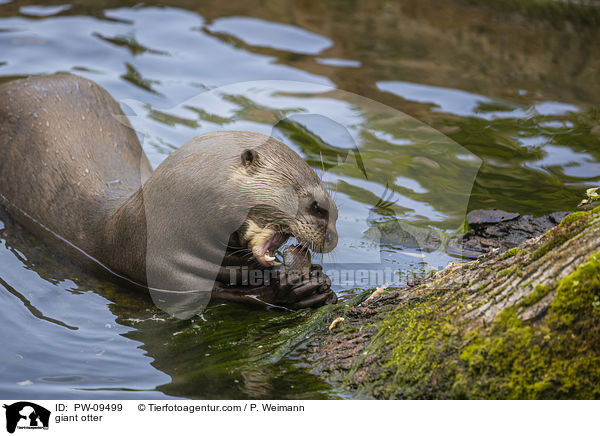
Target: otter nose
[[331, 240]]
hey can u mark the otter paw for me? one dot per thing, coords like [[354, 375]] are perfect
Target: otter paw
[[316, 300], [310, 289]]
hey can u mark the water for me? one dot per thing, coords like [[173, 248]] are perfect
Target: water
[[412, 111]]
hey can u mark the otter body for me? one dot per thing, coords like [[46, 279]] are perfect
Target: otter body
[[65, 160], [72, 167]]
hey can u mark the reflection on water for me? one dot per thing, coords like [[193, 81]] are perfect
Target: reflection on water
[[59, 337], [263, 33], [468, 104], [516, 105]]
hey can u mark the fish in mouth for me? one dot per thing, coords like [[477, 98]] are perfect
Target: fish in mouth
[[266, 254], [264, 243]]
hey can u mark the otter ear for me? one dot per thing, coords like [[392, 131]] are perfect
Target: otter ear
[[249, 156]]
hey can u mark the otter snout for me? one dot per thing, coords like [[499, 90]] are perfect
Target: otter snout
[[331, 240], [323, 210]]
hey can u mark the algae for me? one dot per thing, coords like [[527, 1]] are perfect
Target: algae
[[512, 252]]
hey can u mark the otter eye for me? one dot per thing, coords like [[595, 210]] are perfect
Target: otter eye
[[317, 210]]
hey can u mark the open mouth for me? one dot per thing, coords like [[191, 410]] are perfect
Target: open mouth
[[266, 255]]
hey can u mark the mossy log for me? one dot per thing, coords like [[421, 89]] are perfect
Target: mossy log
[[520, 324]]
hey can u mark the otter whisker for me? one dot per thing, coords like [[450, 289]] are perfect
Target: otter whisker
[[242, 250], [323, 167]]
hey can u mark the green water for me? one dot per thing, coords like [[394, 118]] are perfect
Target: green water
[[416, 110]]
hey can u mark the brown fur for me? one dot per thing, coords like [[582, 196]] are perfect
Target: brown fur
[[67, 163]]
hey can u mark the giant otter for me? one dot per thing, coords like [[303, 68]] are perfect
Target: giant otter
[[206, 223]]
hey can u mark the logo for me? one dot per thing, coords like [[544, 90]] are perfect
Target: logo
[[26, 415]]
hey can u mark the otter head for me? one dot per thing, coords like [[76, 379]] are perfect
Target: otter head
[[287, 200]]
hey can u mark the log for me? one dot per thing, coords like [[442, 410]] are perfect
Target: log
[[524, 323]]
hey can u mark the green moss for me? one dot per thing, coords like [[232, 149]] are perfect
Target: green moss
[[570, 226], [512, 359], [503, 364], [578, 294], [539, 292], [573, 217], [506, 272], [512, 252], [416, 361]]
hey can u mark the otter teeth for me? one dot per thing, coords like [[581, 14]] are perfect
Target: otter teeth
[[269, 258]]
